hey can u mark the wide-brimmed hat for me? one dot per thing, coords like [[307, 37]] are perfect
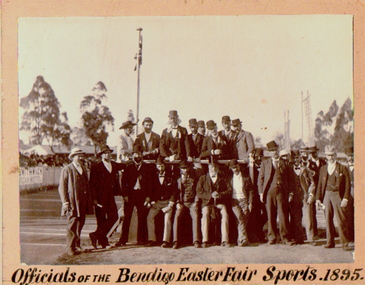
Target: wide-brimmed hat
[[160, 161], [233, 163], [75, 151], [104, 148], [226, 119], [127, 124], [313, 149], [295, 152], [236, 122], [211, 125], [147, 119], [349, 150], [329, 149], [184, 164], [284, 152], [193, 122], [272, 146], [201, 123], [304, 149], [137, 148], [173, 113]]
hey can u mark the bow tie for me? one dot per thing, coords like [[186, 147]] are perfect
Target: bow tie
[[213, 176], [297, 168], [161, 175]]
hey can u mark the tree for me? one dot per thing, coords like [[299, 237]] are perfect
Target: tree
[[96, 117], [42, 117], [79, 138]]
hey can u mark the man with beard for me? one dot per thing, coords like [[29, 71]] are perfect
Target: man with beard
[[149, 141], [195, 141], [334, 190], [126, 141], [243, 142], [273, 185], [186, 200], [214, 144], [75, 196], [163, 199], [136, 191], [214, 192], [104, 186]]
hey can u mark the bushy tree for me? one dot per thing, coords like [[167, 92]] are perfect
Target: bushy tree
[[96, 116], [42, 116]]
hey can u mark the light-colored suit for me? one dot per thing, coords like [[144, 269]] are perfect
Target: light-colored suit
[[244, 145]]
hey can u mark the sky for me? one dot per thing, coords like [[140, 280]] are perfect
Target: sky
[[248, 67]]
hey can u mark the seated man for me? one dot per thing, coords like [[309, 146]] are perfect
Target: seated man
[[186, 200], [214, 191], [163, 199]]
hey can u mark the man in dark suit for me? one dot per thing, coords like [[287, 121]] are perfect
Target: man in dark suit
[[136, 191], [148, 140], [273, 185], [173, 142], [186, 200], [214, 144], [229, 136], [333, 191], [242, 197], [195, 141], [201, 127], [163, 199], [75, 197], [214, 191], [104, 186], [350, 207], [315, 163], [243, 141]]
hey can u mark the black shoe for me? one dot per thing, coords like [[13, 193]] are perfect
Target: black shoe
[[299, 242], [150, 243], [119, 243], [243, 243], [205, 245], [140, 243], [286, 242], [225, 244], [329, 246], [165, 244], [104, 245], [197, 244], [175, 245], [94, 240], [72, 252]]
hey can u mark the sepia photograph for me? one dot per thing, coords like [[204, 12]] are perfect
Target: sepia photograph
[[184, 147]]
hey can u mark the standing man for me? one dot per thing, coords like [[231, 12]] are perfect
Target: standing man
[[104, 185], [229, 135], [186, 200], [136, 191], [214, 191], [242, 197], [195, 141], [148, 140], [350, 207], [214, 144], [75, 197], [163, 199], [315, 163], [173, 142], [273, 185], [334, 190], [126, 141], [201, 127], [244, 143]]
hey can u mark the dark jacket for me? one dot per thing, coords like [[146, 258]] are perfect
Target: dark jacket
[[177, 146], [209, 144], [194, 147], [243, 145], [206, 187], [104, 185], [130, 176], [152, 145], [186, 190], [304, 182], [165, 191], [343, 182]]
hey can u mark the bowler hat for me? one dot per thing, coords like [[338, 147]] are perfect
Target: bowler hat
[[137, 148], [103, 149], [184, 164], [193, 122], [284, 152], [201, 123], [259, 151], [349, 150], [236, 122], [233, 163], [127, 124], [211, 125], [272, 146], [160, 160], [75, 151], [329, 149], [173, 113], [226, 119], [147, 119]]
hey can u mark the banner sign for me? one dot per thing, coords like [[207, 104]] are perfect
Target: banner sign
[[33, 175]]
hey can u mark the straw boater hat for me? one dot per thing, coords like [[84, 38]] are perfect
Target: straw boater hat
[[127, 124], [104, 149], [329, 149], [75, 151]]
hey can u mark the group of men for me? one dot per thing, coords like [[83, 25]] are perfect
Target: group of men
[[222, 194]]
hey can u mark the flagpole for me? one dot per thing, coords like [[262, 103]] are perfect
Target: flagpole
[[139, 62]]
